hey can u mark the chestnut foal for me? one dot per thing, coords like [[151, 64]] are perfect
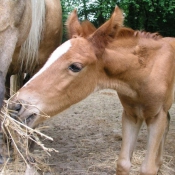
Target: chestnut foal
[[140, 66]]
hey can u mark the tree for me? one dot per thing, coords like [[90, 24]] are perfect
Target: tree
[[148, 15]]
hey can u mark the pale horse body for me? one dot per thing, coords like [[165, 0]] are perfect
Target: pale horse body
[[139, 66], [30, 31]]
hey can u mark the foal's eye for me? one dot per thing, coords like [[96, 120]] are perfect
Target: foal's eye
[[75, 67]]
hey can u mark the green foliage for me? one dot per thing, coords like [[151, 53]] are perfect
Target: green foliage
[[92, 10], [148, 15], [96, 11]]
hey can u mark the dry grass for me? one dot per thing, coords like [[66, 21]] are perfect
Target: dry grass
[[19, 135], [139, 156], [89, 142]]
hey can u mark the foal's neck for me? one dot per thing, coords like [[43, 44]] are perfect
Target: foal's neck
[[127, 63]]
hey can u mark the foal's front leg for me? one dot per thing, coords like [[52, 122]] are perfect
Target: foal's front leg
[[130, 130], [156, 129]]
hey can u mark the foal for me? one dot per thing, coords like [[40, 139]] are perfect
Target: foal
[[139, 66]]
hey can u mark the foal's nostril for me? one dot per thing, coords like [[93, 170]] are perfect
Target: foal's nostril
[[14, 109], [18, 107]]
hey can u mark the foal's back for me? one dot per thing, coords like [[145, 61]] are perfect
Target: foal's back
[[148, 67]]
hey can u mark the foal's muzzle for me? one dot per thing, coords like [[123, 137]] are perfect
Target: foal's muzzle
[[23, 112]]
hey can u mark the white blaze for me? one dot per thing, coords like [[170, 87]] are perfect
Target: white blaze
[[54, 56]]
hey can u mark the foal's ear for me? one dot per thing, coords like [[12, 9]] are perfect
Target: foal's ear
[[104, 34], [74, 28], [87, 28]]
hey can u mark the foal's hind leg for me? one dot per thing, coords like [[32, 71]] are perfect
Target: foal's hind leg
[[159, 159], [130, 130]]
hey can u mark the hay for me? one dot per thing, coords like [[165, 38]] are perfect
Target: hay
[[20, 135]]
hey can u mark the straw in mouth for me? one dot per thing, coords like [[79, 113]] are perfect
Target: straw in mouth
[[20, 135]]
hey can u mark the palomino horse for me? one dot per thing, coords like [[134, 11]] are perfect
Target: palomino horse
[[30, 31], [140, 66]]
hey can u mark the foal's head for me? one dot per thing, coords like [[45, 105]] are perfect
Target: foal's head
[[70, 74]]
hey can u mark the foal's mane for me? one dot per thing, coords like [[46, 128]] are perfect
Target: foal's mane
[[128, 33], [86, 28]]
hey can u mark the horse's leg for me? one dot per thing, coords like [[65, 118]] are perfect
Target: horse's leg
[[27, 78], [16, 82], [2, 89], [1, 146], [2, 92], [7, 86], [130, 130], [159, 159], [156, 129]]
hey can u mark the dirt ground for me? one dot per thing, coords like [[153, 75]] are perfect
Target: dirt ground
[[88, 137]]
